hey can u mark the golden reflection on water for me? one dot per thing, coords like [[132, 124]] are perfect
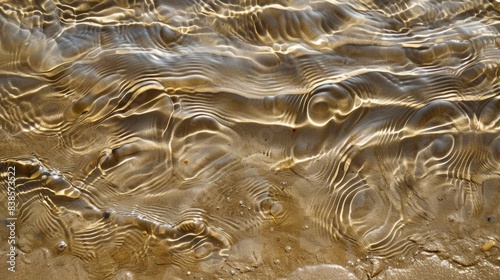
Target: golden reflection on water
[[253, 139]]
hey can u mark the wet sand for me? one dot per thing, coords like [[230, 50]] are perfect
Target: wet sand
[[250, 139]]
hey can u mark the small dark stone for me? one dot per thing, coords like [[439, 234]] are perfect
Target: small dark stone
[[106, 214], [490, 218]]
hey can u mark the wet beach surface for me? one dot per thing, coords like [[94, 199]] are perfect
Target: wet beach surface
[[252, 139]]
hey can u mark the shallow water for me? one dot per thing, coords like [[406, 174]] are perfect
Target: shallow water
[[251, 139]]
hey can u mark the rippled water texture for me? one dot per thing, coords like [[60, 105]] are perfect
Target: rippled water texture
[[251, 139]]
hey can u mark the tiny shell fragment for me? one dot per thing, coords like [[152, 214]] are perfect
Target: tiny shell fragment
[[487, 245]]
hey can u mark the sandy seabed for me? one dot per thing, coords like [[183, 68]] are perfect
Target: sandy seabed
[[220, 139]]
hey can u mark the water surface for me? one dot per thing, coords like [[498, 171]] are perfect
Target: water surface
[[252, 139]]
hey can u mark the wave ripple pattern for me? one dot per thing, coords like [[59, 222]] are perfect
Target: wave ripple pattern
[[252, 139]]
